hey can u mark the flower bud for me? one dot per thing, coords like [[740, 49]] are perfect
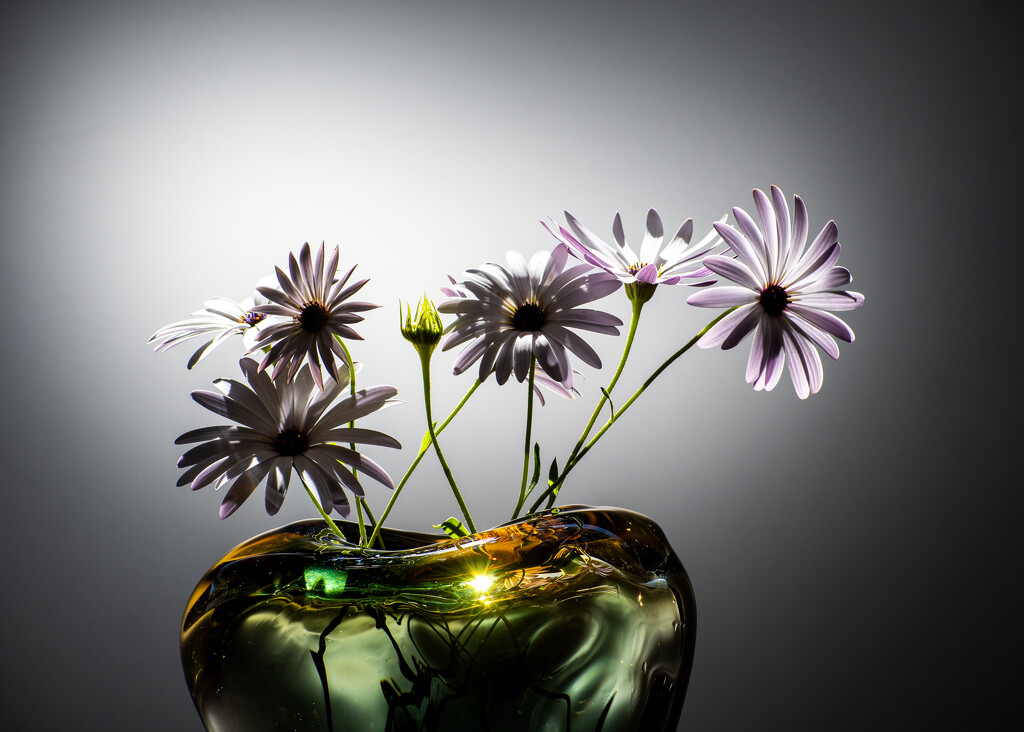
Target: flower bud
[[424, 329]]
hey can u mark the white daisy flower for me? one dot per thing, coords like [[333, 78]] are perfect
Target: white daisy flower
[[284, 426], [540, 380], [312, 313], [527, 310], [783, 292], [220, 318], [677, 262]]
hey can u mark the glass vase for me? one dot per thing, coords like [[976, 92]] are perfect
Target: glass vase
[[573, 620]]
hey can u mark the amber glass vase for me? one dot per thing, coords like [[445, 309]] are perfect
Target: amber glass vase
[[573, 620]]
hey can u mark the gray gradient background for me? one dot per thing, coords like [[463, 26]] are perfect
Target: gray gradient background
[[856, 557]]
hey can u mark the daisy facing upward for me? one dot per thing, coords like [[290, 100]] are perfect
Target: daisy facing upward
[[314, 315]]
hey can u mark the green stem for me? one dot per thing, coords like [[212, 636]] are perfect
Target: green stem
[[369, 513], [351, 364], [333, 526], [425, 362], [373, 523], [359, 520], [636, 395], [419, 456], [529, 430], [352, 424], [638, 305]]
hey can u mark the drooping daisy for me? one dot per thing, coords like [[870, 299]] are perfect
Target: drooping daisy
[[220, 318], [284, 426], [313, 313], [513, 314], [783, 294], [677, 262]]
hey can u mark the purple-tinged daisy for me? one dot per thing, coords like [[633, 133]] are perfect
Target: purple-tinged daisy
[[783, 292], [541, 379], [312, 314], [677, 262], [526, 310], [220, 318], [284, 426]]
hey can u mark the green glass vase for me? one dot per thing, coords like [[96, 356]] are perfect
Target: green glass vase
[[574, 620]]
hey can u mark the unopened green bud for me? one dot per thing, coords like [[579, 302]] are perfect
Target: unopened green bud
[[424, 329]]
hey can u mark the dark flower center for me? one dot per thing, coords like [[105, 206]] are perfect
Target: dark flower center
[[774, 300], [251, 318], [528, 316], [312, 317], [637, 267], [291, 442]]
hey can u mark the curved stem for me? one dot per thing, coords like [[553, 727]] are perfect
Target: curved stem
[[425, 361], [373, 522], [359, 521], [419, 456], [529, 430], [369, 513], [549, 493], [352, 424], [634, 320], [333, 526]]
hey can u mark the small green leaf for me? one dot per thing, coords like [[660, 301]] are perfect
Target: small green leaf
[[552, 477], [453, 527], [426, 441], [536, 468], [609, 398]]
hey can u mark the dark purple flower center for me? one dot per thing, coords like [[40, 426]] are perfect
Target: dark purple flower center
[[637, 267], [312, 317], [251, 318], [291, 442], [774, 300], [528, 317]]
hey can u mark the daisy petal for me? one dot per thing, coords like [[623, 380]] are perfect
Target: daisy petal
[[653, 236], [717, 334], [742, 329], [722, 297], [831, 300], [733, 269], [824, 320]]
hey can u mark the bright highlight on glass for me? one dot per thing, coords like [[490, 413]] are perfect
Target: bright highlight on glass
[[481, 583]]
